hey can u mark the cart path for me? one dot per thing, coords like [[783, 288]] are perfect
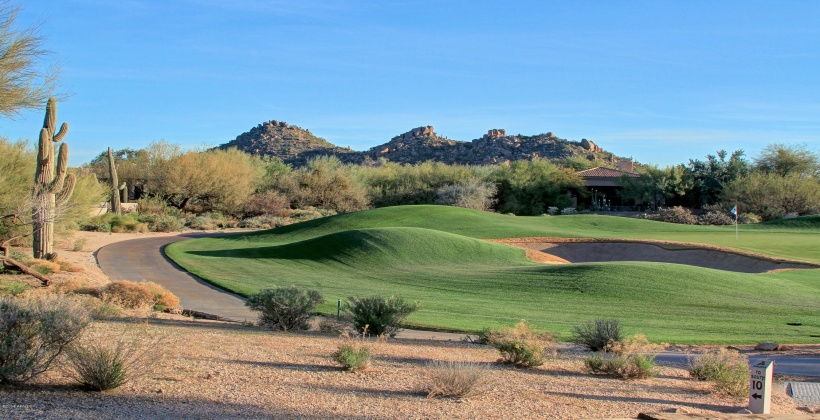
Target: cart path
[[144, 260]]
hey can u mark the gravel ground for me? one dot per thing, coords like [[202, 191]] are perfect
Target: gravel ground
[[211, 369]]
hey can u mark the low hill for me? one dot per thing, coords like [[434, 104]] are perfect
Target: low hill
[[295, 145]]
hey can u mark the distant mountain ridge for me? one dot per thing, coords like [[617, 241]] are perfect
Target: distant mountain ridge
[[296, 146]]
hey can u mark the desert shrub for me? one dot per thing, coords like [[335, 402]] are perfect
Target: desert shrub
[[285, 308], [266, 203], [13, 288], [728, 369], [100, 363], [522, 345], [68, 267], [352, 355], [748, 218], [552, 210], [628, 359], [598, 334], [43, 266], [78, 245], [329, 325], [569, 210], [200, 223], [675, 214], [715, 215], [120, 224], [161, 223], [455, 379], [471, 193], [162, 298], [133, 295], [34, 332], [379, 316], [252, 223], [310, 213], [94, 224], [154, 206]]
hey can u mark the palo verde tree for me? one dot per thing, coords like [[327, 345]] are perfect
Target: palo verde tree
[[52, 189], [23, 85]]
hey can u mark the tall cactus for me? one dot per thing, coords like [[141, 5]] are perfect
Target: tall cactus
[[51, 190], [115, 184]]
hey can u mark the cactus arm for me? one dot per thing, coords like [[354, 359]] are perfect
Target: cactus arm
[[68, 188], [61, 134], [51, 115], [45, 149], [62, 166]]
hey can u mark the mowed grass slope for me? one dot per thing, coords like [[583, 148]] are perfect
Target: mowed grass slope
[[431, 254]]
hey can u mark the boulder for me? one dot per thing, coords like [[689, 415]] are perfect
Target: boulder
[[767, 346]]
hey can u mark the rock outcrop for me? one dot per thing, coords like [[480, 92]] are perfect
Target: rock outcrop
[[295, 146]]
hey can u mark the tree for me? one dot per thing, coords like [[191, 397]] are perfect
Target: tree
[[653, 183], [709, 176], [529, 187], [23, 85], [785, 160]]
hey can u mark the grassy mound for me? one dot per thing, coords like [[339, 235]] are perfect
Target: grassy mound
[[430, 254]]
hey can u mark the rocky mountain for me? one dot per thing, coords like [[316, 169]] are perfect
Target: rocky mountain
[[295, 146]]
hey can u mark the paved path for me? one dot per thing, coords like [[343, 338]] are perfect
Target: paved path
[[143, 259]]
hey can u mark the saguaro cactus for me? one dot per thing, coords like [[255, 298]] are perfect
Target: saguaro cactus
[[51, 190], [116, 187]]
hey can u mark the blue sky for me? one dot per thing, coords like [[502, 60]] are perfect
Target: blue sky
[[659, 81]]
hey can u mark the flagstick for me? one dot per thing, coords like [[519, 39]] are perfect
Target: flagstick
[[736, 213]]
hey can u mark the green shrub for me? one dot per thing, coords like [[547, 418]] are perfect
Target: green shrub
[[379, 316], [100, 364], [120, 224], [749, 218], [13, 288], [352, 355], [628, 359], [675, 214], [285, 308], [161, 223], [598, 334], [94, 224], [78, 245], [201, 223], [455, 379], [34, 332], [522, 345], [728, 369], [636, 366]]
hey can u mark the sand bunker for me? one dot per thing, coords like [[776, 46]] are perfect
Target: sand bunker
[[557, 250]]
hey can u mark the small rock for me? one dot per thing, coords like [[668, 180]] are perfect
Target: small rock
[[745, 411], [732, 348], [767, 346], [785, 348], [679, 410]]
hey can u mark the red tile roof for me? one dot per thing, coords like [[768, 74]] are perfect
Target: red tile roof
[[604, 173]]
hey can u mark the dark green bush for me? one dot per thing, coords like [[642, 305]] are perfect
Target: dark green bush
[[285, 308], [379, 316], [598, 334], [34, 332]]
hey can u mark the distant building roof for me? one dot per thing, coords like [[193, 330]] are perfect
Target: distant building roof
[[600, 172]]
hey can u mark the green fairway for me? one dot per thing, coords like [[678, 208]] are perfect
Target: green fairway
[[432, 254]]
